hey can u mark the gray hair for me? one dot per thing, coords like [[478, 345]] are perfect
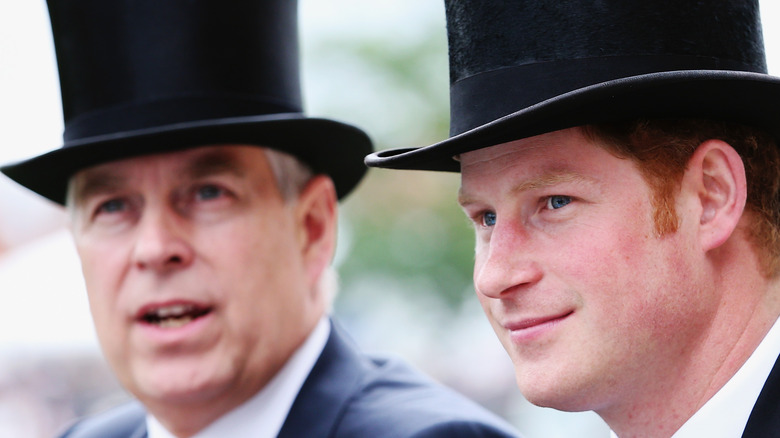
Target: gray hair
[[291, 177], [290, 173]]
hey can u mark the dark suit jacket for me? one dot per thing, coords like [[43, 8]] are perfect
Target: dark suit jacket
[[347, 395], [764, 421]]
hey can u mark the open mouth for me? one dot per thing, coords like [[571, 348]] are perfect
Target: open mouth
[[174, 316]]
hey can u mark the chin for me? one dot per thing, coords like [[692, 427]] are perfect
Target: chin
[[558, 392], [179, 385], [173, 393], [557, 399]]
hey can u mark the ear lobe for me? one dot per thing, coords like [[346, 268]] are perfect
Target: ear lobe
[[718, 173], [316, 219]]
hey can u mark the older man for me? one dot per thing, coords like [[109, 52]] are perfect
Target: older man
[[619, 164], [203, 206]]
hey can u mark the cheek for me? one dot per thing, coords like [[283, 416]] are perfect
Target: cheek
[[479, 258], [481, 253], [255, 266], [103, 268], [613, 266], [614, 242], [105, 265], [638, 280], [600, 254], [248, 238]]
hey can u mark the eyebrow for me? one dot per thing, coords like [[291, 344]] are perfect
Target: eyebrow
[[97, 182], [547, 179], [94, 183], [551, 179]]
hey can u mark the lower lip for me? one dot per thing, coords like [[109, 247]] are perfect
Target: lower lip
[[175, 335], [537, 331]]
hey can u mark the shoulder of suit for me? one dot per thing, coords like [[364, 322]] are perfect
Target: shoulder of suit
[[409, 403], [119, 422]]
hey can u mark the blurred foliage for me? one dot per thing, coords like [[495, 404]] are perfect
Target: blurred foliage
[[403, 226], [412, 71], [408, 227]]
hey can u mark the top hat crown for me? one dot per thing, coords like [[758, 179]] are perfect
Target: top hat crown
[[144, 76], [520, 68]]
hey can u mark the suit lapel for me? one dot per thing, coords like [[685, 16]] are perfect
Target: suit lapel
[[334, 378], [764, 420], [140, 432]]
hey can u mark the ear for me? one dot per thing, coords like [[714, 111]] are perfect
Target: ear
[[315, 213], [717, 174]]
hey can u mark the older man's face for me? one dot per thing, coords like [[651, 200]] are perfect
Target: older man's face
[[197, 273], [592, 306]]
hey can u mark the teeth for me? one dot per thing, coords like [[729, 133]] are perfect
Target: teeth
[[174, 322], [174, 316], [171, 311]]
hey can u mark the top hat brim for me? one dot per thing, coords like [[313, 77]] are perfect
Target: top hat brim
[[326, 146], [749, 98]]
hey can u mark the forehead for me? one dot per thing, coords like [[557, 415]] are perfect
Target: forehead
[[178, 165], [557, 145], [556, 156]]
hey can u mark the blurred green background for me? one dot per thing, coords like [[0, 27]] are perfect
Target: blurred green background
[[404, 226]]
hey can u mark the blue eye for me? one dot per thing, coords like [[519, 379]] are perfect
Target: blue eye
[[207, 192], [489, 219], [558, 201], [112, 206]]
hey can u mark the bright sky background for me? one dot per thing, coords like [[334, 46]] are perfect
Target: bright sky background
[[40, 282]]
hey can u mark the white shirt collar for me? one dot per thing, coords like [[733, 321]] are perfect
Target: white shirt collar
[[263, 415], [726, 413]]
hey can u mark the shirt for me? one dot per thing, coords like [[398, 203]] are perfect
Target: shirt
[[263, 415]]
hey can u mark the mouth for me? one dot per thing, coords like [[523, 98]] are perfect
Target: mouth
[[173, 315], [531, 323]]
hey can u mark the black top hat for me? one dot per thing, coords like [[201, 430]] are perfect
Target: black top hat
[[520, 68], [147, 76]]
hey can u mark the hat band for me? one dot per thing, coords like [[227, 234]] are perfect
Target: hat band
[[485, 97], [145, 115]]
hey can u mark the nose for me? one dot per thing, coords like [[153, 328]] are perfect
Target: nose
[[506, 263], [161, 243]]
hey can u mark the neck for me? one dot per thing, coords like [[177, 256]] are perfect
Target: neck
[[662, 404]]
